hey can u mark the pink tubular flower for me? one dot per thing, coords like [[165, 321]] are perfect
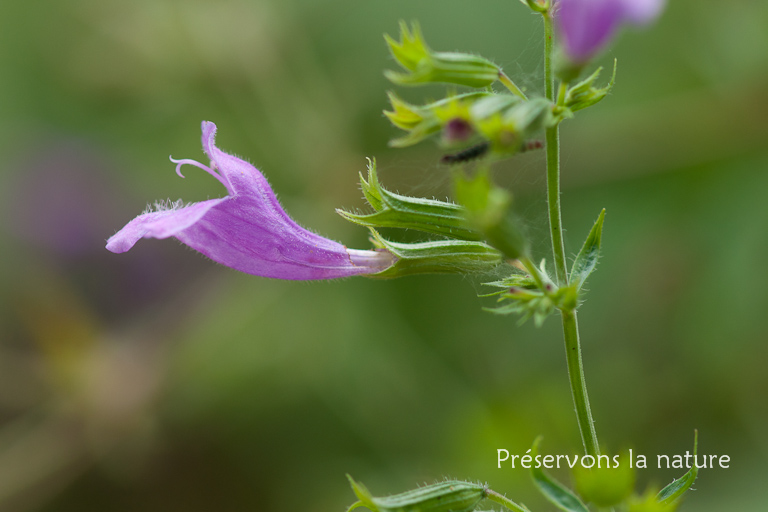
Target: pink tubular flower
[[248, 230], [586, 26]]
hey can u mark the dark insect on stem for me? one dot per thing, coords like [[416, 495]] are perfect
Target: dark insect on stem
[[467, 155]]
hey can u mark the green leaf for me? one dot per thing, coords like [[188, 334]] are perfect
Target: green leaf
[[674, 491], [554, 491], [586, 260]]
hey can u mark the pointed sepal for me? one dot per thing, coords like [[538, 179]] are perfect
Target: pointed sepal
[[585, 94], [423, 66], [422, 121], [398, 211], [436, 257]]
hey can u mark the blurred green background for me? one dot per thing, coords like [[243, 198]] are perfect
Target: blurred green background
[[156, 380]]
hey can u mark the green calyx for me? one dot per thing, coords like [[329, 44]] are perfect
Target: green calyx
[[436, 257], [422, 121], [398, 211], [423, 66], [505, 122], [584, 94]]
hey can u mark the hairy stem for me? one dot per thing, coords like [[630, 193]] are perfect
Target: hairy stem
[[570, 323], [506, 502]]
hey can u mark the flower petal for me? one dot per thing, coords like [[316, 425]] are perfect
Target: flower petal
[[642, 12], [160, 224], [586, 25], [242, 235], [249, 230]]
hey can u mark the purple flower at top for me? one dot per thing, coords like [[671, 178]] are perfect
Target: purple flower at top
[[586, 26], [247, 230]]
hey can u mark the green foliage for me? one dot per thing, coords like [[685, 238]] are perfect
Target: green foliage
[[447, 496], [586, 260], [674, 491], [398, 211], [424, 66], [554, 491]]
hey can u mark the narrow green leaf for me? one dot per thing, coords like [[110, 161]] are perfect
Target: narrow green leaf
[[554, 491], [676, 489], [586, 260]]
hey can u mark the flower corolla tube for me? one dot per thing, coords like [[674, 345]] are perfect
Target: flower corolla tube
[[247, 230]]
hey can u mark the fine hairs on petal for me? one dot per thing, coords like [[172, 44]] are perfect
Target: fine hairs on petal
[[164, 206]]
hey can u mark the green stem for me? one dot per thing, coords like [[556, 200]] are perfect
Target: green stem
[[509, 84], [570, 323], [553, 162], [578, 383], [506, 502]]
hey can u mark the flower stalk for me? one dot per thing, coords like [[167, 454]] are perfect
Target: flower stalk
[[570, 322]]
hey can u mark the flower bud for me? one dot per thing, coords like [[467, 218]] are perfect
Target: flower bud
[[448, 496], [424, 66]]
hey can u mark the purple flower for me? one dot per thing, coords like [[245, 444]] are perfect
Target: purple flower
[[586, 26], [247, 230]]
